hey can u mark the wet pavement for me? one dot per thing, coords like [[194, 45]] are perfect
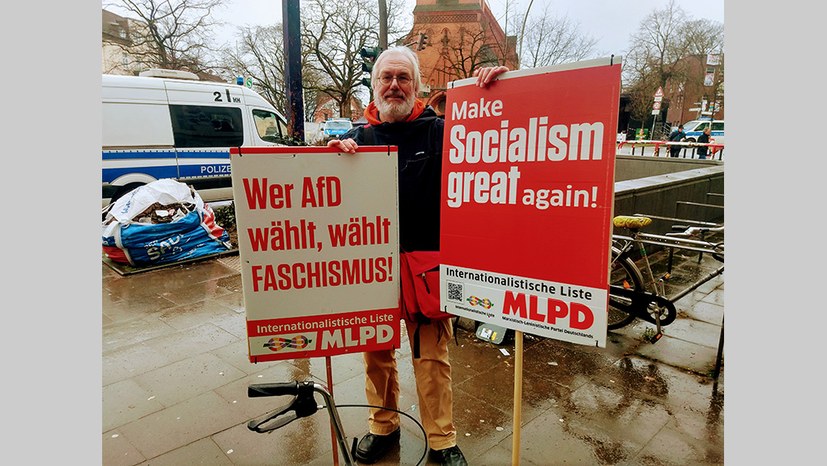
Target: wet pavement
[[175, 376]]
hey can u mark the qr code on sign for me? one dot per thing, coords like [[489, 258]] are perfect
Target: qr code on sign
[[455, 291]]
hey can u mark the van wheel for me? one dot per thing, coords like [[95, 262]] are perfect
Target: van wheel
[[690, 139]]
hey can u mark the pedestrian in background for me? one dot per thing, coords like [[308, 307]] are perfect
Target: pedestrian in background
[[703, 139], [676, 136], [397, 117]]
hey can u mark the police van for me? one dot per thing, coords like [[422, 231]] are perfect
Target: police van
[[168, 124], [695, 128]]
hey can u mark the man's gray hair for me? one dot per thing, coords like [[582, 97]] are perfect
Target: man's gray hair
[[405, 52]]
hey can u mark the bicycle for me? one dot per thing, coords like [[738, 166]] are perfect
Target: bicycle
[[304, 404], [630, 295]]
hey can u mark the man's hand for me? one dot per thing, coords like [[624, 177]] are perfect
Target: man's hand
[[487, 74], [344, 145]]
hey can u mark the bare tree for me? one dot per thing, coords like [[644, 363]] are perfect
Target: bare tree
[[658, 46], [655, 56], [547, 40], [400, 20], [175, 34], [703, 36], [669, 47], [641, 94], [333, 33], [465, 51], [259, 55], [330, 33], [332, 36]]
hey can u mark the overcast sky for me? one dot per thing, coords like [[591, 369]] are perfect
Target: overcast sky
[[611, 22]]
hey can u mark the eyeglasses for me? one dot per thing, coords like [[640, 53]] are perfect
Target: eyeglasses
[[401, 80]]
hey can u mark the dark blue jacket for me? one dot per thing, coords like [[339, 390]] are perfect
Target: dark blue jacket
[[677, 135], [704, 139], [420, 175]]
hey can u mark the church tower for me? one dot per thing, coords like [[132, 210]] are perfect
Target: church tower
[[460, 36]]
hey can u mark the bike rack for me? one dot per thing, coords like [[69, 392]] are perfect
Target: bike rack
[[699, 246]]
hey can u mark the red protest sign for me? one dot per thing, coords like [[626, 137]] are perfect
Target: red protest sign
[[318, 242], [527, 200]]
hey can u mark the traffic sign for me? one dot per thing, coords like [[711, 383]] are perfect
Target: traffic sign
[[656, 105], [659, 92]]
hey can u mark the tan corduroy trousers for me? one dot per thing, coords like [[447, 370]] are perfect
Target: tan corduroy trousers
[[432, 371]]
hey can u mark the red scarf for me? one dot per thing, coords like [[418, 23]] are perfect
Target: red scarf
[[372, 113]]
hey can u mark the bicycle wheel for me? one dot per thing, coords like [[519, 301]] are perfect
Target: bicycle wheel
[[719, 251], [624, 273]]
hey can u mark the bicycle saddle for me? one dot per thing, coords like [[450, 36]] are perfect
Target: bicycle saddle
[[632, 223]]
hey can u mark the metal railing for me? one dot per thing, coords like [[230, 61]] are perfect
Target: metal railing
[[715, 149]]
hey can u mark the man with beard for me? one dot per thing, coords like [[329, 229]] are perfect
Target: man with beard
[[396, 117]]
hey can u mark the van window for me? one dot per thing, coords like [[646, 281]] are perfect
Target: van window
[[202, 126], [718, 126], [119, 125], [269, 126]]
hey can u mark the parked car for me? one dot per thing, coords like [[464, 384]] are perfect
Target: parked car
[[694, 129], [336, 126]]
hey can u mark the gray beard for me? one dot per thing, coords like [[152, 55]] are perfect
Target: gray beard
[[394, 112]]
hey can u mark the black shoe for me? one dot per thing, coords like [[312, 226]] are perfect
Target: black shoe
[[451, 456], [373, 447]]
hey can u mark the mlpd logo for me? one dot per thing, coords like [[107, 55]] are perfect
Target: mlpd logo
[[482, 302], [278, 343]]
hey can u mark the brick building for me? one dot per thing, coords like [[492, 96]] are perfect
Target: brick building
[[698, 92], [327, 108], [462, 36]]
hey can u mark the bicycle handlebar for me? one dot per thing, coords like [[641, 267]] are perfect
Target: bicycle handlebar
[[302, 404], [273, 389]]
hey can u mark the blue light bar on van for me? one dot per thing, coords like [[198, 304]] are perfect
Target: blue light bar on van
[[239, 80]]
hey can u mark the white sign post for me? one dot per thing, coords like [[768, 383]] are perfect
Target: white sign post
[[656, 109]]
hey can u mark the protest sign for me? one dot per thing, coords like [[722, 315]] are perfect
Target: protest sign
[[318, 242], [527, 199]]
